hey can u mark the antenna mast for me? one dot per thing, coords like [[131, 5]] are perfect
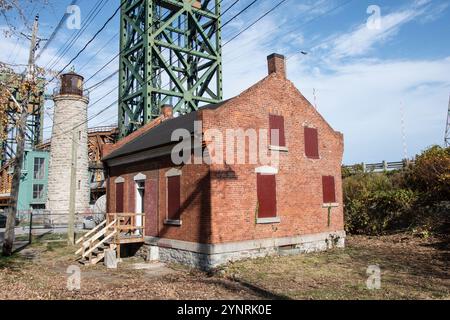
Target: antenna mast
[[447, 129]]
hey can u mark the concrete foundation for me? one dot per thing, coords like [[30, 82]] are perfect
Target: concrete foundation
[[210, 256]]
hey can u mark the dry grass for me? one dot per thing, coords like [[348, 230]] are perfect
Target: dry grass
[[411, 268]]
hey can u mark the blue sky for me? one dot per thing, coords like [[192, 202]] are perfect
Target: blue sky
[[361, 76]]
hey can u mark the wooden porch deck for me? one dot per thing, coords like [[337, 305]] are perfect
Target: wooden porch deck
[[117, 229], [128, 228]]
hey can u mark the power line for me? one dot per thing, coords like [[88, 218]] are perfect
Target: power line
[[92, 39], [55, 32], [95, 55], [121, 51], [226, 23], [72, 39], [297, 27], [256, 21], [148, 80], [117, 71]]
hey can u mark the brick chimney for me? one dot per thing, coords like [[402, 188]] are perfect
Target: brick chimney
[[197, 4], [167, 111], [277, 64]]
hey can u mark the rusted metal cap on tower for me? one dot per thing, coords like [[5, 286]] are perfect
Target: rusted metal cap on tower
[[71, 84]]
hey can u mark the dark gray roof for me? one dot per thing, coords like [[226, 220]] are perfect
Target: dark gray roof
[[160, 135]]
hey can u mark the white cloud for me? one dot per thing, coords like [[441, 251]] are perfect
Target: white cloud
[[362, 99], [363, 39], [314, 7]]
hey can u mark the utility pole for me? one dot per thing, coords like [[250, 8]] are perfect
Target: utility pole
[[405, 148], [73, 188], [447, 129], [22, 109]]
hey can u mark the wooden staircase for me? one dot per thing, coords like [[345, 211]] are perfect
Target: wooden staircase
[[117, 229]]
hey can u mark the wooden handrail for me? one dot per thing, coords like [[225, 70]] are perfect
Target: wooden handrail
[[88, 234], [102, 232], [126, 215], [92, 248], [128, 228]]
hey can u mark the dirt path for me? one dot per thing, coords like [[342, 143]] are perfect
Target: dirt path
[[411, 268]]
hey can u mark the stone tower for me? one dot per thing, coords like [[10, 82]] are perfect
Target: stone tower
[[69, 127]]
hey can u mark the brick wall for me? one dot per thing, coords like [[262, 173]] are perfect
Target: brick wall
[[195, 198], [299, 181], [220, 202]]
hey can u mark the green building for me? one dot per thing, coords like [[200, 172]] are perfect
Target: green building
[[34, 180]]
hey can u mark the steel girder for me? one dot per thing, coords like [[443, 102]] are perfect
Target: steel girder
[[34, 124], [170, 54]]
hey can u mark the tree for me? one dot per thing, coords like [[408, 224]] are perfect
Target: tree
[[11, 10], [27, 88]]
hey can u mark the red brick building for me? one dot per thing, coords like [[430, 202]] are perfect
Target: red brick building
[[207, 214]]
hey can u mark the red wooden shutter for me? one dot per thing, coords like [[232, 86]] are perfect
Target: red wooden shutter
[[311, 143], [277, 123], [329, 190], [119, 197], [267, 196], [173, 198], [151, 207]]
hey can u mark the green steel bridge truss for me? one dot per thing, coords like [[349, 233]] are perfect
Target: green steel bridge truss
[[170, 54], [35, 118]]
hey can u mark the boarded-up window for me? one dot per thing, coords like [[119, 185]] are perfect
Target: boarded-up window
[[329, 190], [267, 196], [119, 197], [173, 198], [311, 143], [277, 135]]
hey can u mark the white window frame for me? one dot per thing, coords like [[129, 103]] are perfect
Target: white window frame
[[119, 180], [138, 179]]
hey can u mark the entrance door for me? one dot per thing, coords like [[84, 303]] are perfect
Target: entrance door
[[140, 204]]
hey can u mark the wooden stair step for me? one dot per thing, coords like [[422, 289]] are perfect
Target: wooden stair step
[[98, 258]]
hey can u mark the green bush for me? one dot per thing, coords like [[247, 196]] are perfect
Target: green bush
[[430, 175], [414, 198], [373, 204]]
